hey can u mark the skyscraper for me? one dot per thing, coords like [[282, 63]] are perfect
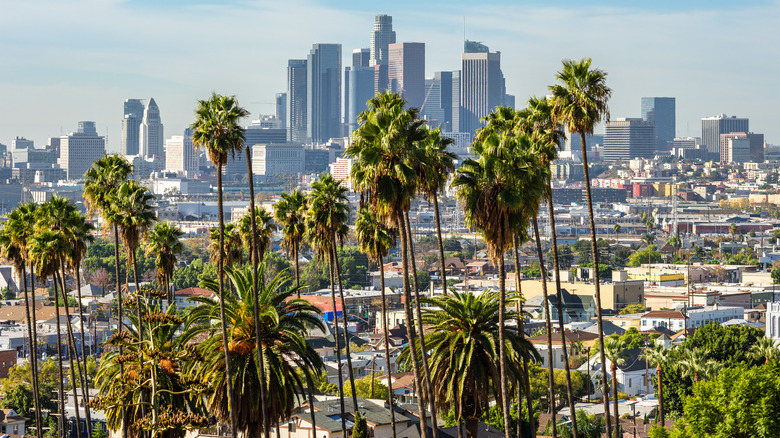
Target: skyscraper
[[361, 57], [439, 100], [180, 156], [754, 142], [713, 127], [131, 126], [661, 112], [481, 88], [626, 138], [361, 89], [151, 132], [323, 91], [296, 100], [406, 72], [78, 150], [381, 37], [281, 108]]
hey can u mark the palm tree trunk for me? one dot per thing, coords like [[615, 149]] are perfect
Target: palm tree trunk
[[61, 418], [255, 262], [385, 325], [120, 325], [548, 326], [502, 338], [297, 271], [411, 333], [344, 323], [221, 274], [615, 398], [331, 270], [72, 353], [659, 374], [557, 267], [521, 331], [427, 389], [441, 246], [33, 352], [597, 282], [83, 358]]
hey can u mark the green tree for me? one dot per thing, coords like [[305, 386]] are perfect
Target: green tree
[[644, 256], [632, 308], [265, 229], [659, 356], [369, 388], [765, 348], [615, 351], [165, 244], [290, 214], [360, 429], [232, 254], [17, 390]]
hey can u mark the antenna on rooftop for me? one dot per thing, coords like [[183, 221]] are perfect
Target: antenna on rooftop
[[464, 31]]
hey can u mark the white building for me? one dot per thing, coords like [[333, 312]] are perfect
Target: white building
[[697, 317], [341, 170], [773, 320], [78, 150], [277, 159], [151, 133], [180, 156]]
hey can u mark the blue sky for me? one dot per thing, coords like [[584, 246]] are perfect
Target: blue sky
[[62, 61]]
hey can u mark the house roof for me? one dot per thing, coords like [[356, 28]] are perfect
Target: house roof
[[571, 336], [329, 417], [664, 314], [9, 415], [191, 292]]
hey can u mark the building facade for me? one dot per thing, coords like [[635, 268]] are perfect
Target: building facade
[[180, 155], [151, 132], [749, 148], [78, 150], [381, 37], [323, 92], [713, 127], [626, 138], [131, 127], [661, 112], [296, 100], [406, 72], [481, 88]]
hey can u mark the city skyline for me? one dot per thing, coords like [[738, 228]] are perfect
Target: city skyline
[[50, 83]]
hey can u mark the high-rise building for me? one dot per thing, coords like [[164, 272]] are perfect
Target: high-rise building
[[180, 157], [474, 47], [381, 37], [131, 127], [22, 143], [281, 109], [151, 132], [361, 89], [733, 152], [296, 100], [626, 138], [661, 112], [323, 91], [439, 100], [361, 57], [406, 72], [78, 150], [713, 127], [455, 101], [481, 88]]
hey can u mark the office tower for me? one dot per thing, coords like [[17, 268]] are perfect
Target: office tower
[[78, 150], [481, 88], [361, 89], [626, 138], [296, 100], [713, 127], [281, 109], [131, 126], [361, 57], [439, 100], [474, 47], [381, 37], [151, 132], [751, 142], [455, 127], [406, 72], [22, 143], [180, 157], [323, 91], [661, 112]]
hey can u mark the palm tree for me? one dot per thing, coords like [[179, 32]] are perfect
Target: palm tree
[[376, 239], [659, 356], [164, 244], [284, 321], [216, 128], [233, 249], [500, 192], [580, 102], [697, 366], [765, 348], [616, 353], [463, 337], [265, 229], [290, 214], [326, 225], [439, 163]]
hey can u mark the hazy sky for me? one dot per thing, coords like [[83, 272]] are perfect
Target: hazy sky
[[62, 61]]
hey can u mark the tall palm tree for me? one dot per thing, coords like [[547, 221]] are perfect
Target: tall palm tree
[[384, 146], [164, 244], [376, 239], [326, 225], [216, 128], [103, 178], [765, 348], [537, 121], [265, 228], [580, 101], [616, 353], [463, 337], [522, 236], [659, 356], [284, 321], [290, 214], [439, 163], [232, 248]]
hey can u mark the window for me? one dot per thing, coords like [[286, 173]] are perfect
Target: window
[[629, 383]]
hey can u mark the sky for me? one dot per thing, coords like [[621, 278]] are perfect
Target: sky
[[62, 61]]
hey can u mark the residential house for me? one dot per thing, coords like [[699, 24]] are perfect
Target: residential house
[[11, 423], [632, 374]]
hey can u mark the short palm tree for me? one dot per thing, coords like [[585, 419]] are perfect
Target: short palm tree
[[464, 337], [376, 239], [765, 348], [290, 214], [216, 129], [659, 356], [164, 244], [284, 322], [697, 366], [265, 226], [233, 250], [580, 101], [615, 350]]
